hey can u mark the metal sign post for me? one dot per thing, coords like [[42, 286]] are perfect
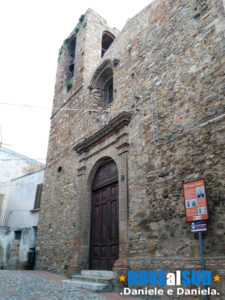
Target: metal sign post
[[201, 249], [202, 256], [196, 211]]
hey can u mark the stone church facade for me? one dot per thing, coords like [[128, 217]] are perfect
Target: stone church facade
[[136, 114]]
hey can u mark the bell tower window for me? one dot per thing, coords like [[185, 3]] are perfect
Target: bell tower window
[[70, 58], [103, 85], [109, 91], [107, 39]]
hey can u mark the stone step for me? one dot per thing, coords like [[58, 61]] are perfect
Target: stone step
[[101, 279], [108, 274], [90, 286]]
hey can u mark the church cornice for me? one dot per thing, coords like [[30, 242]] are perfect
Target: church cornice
[[114, 125]]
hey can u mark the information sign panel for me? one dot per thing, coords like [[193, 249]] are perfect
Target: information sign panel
[[195, 200]]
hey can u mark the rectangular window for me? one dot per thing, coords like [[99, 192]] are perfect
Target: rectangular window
[[38, 196], [17, 235]]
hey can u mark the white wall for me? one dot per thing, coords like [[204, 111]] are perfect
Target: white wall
[[21, 200], [13, 165], [27, 240], [13, 253], [6, 241]]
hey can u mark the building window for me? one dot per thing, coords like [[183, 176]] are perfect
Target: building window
[[105, 88], [71, 54], [102, 84], [109, 91], [59, 170], [107, 39], [17, 235], [70, 62], [38, 196]]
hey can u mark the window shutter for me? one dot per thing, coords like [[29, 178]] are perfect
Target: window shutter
[[1, 201], [38, 196]]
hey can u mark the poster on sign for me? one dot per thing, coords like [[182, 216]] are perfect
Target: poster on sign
[[195, 200]]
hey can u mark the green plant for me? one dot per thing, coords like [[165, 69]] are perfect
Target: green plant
[[84, 25], [60, 52], [81, 19], [68, 85], [62, 48], [76, 29], [65, 41]]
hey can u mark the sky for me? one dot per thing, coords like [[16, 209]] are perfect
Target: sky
[[31, 33]]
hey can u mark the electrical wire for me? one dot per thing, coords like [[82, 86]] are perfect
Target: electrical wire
[[64, 109], [12, 210], [155, 141], [169, 133], [155, 137], [12, 159], [18, 184]]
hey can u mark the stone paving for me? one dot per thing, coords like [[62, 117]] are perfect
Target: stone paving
[[38, 285]]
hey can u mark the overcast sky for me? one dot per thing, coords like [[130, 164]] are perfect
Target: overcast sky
[[31, 32]]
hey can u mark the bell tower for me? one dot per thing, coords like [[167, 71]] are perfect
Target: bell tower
[[80, 54]]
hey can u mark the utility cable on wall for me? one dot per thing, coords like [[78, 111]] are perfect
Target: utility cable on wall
[[27, 183], [171, 133], [155, 118], [12, 159], [64, 109]]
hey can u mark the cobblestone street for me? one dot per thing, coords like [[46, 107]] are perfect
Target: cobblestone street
[[38, 285]]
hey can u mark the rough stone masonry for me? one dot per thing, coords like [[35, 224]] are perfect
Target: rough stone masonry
[[165, 126]]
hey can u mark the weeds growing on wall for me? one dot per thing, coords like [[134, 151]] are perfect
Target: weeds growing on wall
[[68, 85]]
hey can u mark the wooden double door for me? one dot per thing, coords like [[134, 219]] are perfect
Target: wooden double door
[[104, 239]]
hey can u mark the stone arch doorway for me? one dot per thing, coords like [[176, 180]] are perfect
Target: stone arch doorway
[[104, 233]]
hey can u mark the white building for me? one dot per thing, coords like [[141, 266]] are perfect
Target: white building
[[24, 200], [12, 165], [20, 199]]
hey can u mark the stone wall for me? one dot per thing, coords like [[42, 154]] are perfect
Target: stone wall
[[170, 66]]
